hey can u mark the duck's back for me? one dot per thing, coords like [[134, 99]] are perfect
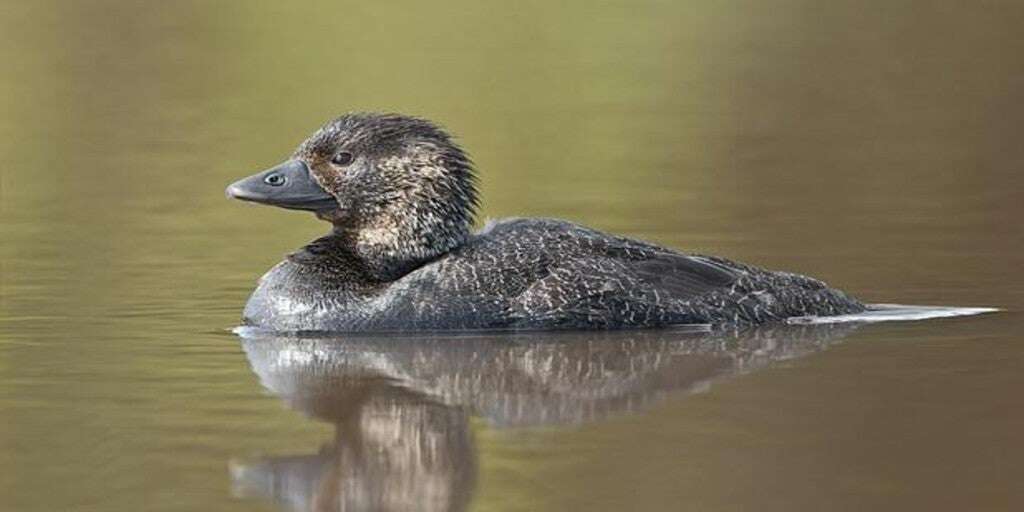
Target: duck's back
[[540, 273]]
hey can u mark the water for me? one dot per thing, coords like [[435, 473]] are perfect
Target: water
[[873, 146]]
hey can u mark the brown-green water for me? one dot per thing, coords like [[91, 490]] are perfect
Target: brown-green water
[[872, 144]]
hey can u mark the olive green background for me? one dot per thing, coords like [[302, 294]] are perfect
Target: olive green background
[[876, 145]]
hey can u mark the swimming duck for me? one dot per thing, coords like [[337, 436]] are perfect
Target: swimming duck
[[402, 255]]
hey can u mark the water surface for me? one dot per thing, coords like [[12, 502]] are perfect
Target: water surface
[[873, 145]]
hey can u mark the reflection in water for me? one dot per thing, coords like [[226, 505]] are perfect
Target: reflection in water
[[400, 406], [392, 450]]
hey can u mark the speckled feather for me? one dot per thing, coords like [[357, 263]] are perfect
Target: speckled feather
[[401, 257]]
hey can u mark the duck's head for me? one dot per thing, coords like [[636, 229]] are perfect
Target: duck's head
[[397, 185]]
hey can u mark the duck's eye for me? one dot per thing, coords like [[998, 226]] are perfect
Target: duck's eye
[[274, 179], [342, 159]]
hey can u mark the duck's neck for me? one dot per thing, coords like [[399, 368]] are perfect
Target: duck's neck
[[389, 251]]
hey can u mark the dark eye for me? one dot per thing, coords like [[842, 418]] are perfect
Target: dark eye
[[342, 159], [274, 180]]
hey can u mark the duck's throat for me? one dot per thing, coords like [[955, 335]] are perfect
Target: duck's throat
[[389, 252]]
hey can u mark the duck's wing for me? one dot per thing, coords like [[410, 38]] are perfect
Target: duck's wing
[[613, 291], [683, 276]]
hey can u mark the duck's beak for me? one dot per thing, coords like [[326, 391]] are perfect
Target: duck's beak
[[289, 185]]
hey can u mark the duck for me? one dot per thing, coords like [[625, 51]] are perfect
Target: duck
[[402, 254]]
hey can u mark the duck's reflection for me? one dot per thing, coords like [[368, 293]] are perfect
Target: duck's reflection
[[400, 405]]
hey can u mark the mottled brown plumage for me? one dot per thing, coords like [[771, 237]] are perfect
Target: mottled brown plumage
[[401, 254]]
